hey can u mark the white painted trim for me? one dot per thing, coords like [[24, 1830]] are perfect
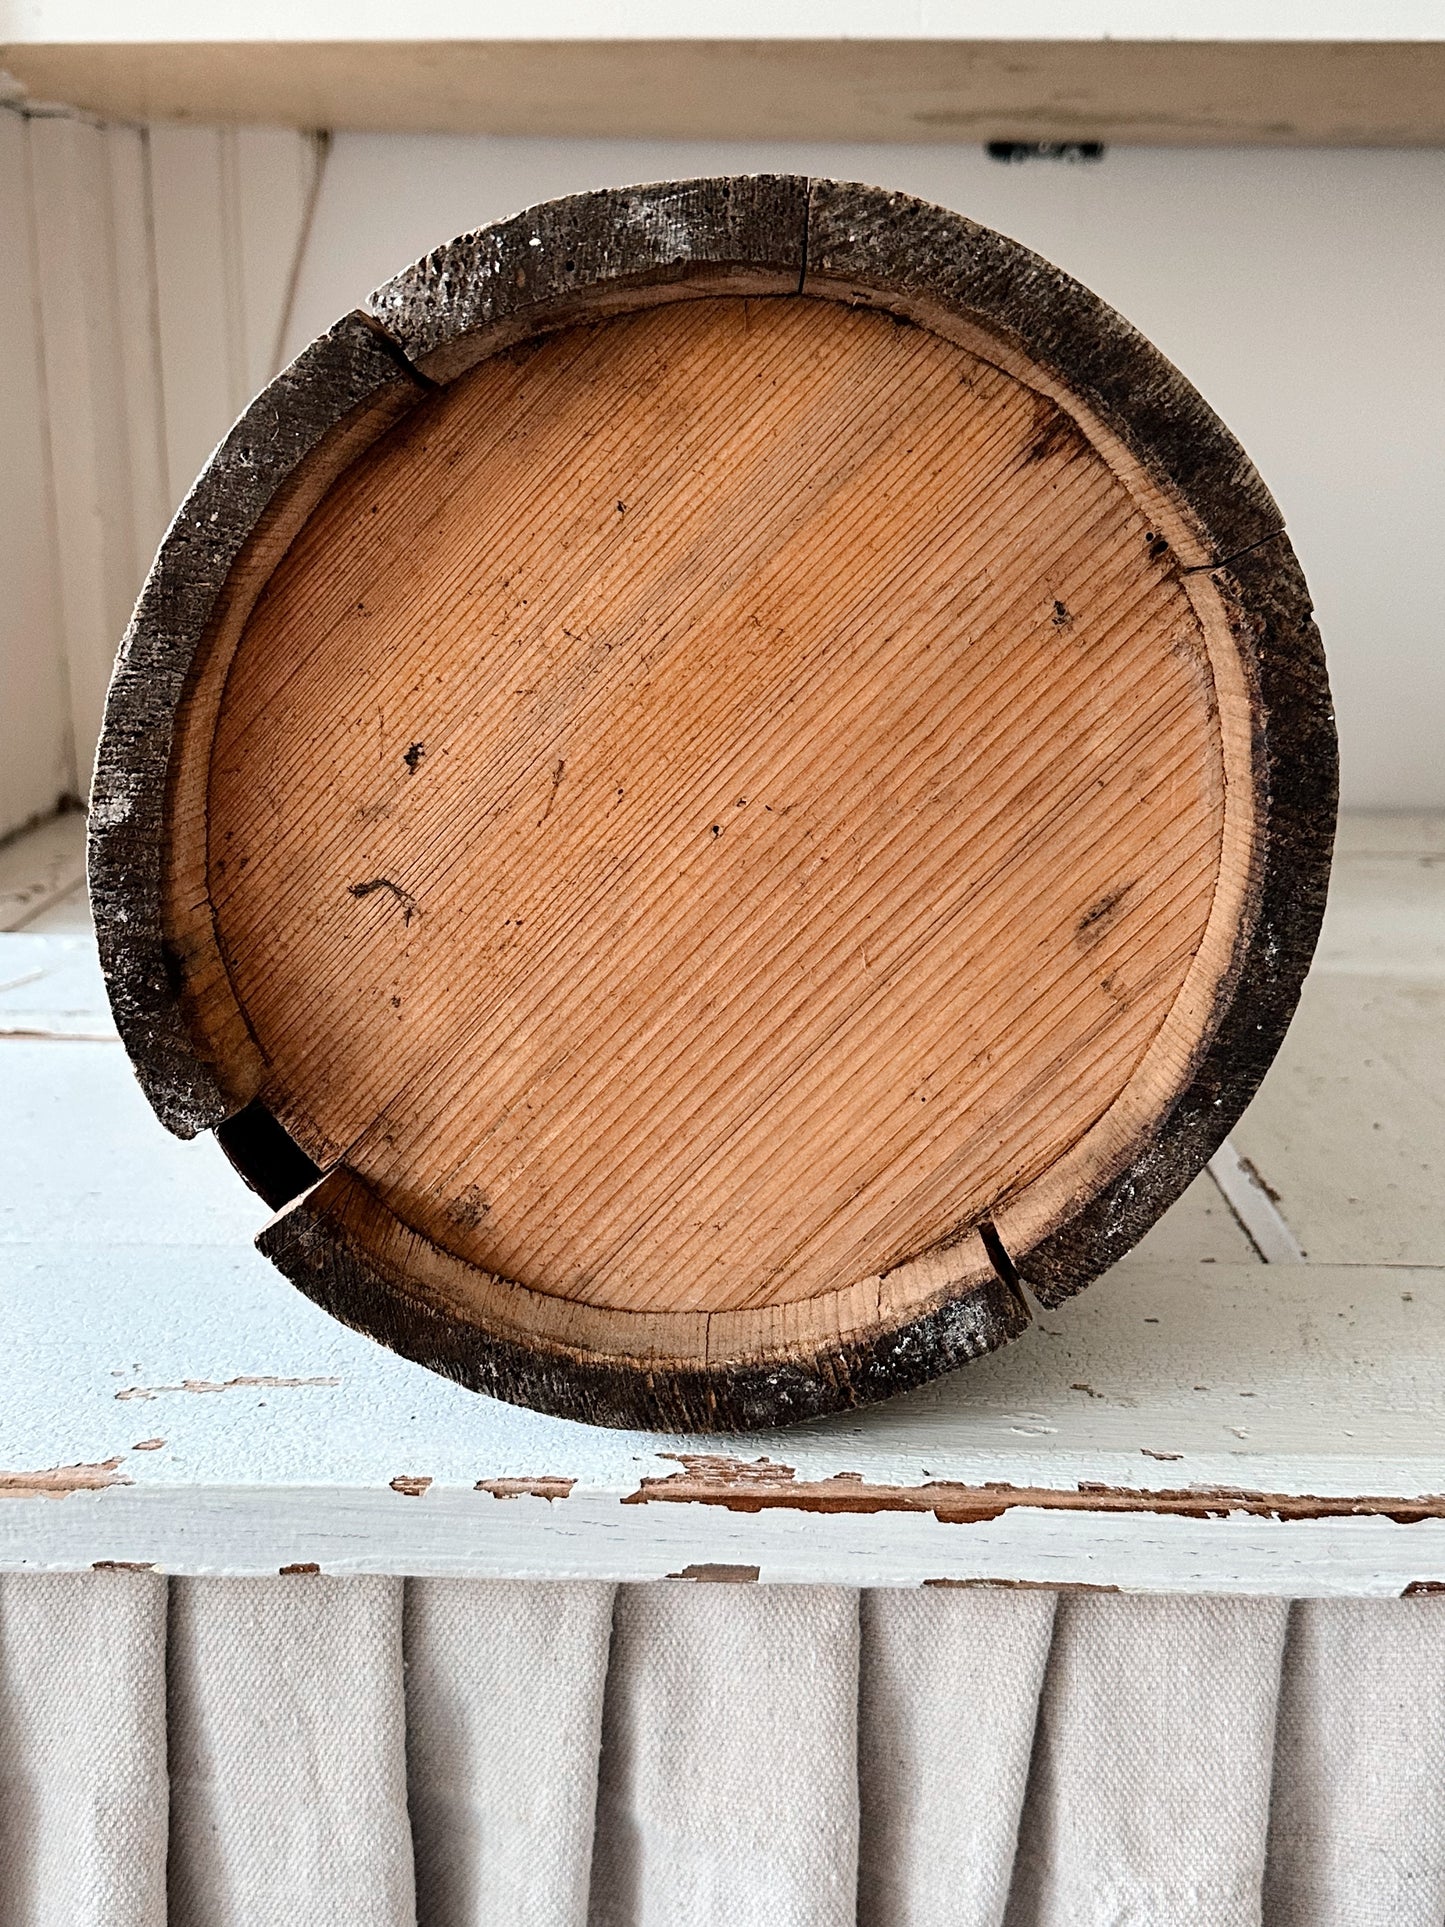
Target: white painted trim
[[458, 1532], [273, 177]]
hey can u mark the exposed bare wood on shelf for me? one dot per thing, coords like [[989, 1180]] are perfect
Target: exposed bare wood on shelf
[[738, 1486], [60, 1481]]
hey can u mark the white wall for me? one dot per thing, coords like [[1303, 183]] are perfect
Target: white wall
[[1302, 291], [150, 280], [144, 282]]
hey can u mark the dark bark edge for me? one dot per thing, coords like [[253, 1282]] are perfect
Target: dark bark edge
[[559, 261], [903, 251], [315, 1252], [288, 422]]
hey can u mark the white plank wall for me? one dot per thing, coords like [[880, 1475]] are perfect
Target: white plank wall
[[86, 405], [36, 757], [145, 275]]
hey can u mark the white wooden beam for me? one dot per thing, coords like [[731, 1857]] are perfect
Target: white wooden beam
[[867, 71]]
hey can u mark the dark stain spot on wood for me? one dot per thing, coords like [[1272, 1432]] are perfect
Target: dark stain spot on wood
[[1061, 618], [409, 1485], [412, 755], [541, 1487], [1095, 920], [403, 897], [1156, 545], [559, 770], [1055, 433], [718, 1575], [470, 1208], [172, 967], [304, 1565]]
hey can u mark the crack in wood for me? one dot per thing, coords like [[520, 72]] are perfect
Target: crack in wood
[[372, 884]]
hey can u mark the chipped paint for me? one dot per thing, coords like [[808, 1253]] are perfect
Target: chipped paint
[[59, 1481], [305, 1565], [222, 1385], [719, 1575], [760, 1485], [147, 1445], [121, 1565], [409, 1485], [538, 1488], [1024, 1585]]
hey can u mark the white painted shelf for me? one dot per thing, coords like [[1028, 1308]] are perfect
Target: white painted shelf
[[1197, 1421], [1195, 72]]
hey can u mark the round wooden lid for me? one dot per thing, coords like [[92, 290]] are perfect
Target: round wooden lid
[[738, 813]]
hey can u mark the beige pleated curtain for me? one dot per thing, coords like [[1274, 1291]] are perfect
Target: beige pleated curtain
[[375, 1752]]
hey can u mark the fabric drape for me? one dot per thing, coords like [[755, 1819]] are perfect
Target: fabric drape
[[467, 1753]]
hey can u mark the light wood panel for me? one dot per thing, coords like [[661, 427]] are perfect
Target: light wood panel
[[1189, 93]]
